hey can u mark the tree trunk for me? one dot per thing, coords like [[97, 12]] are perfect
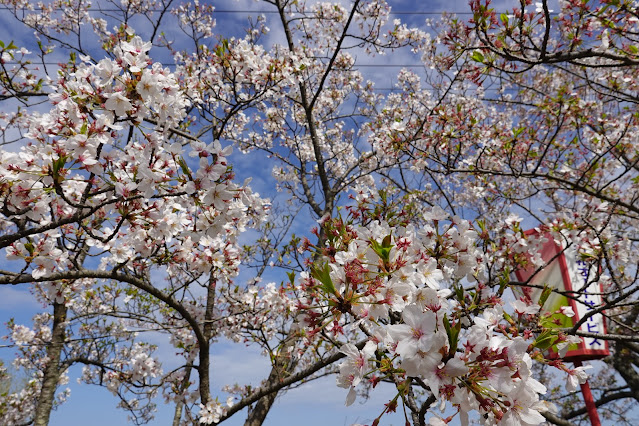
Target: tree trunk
[[179, 406], [52, 370], [283, 365]]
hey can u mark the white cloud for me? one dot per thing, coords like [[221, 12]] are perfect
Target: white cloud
[[12, 298]]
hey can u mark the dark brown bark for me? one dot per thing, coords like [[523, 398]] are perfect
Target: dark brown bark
[[205, 354], [179, 406], [53, 370], [283, 366]]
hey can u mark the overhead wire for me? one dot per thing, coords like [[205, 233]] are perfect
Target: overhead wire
[[244, 11], [266, 12]]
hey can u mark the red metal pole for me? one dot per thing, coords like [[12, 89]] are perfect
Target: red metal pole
[[590, 401]]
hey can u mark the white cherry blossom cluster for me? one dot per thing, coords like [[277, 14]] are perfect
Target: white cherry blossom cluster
[[142, 191], [403, 286], [110, 174], [211, 412]]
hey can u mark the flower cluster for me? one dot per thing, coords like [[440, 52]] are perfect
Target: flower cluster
[[403, 286], [110, 180], [129, 196]]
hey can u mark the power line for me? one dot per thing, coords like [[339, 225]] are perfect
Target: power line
[[264, 12]]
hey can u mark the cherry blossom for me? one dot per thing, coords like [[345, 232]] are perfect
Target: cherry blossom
[[122, 213]]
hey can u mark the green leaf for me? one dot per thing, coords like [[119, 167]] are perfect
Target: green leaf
[[452, 332], [447, 325], [323, 275], [477, 56], [57, 166], [508, 318], [518, 131], [455, 335], [546, 292], [545, 340], [459, 292], [383, 250], [30, 248], [183, 166]]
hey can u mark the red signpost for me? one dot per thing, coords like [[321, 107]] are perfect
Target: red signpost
[[566, 272]]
